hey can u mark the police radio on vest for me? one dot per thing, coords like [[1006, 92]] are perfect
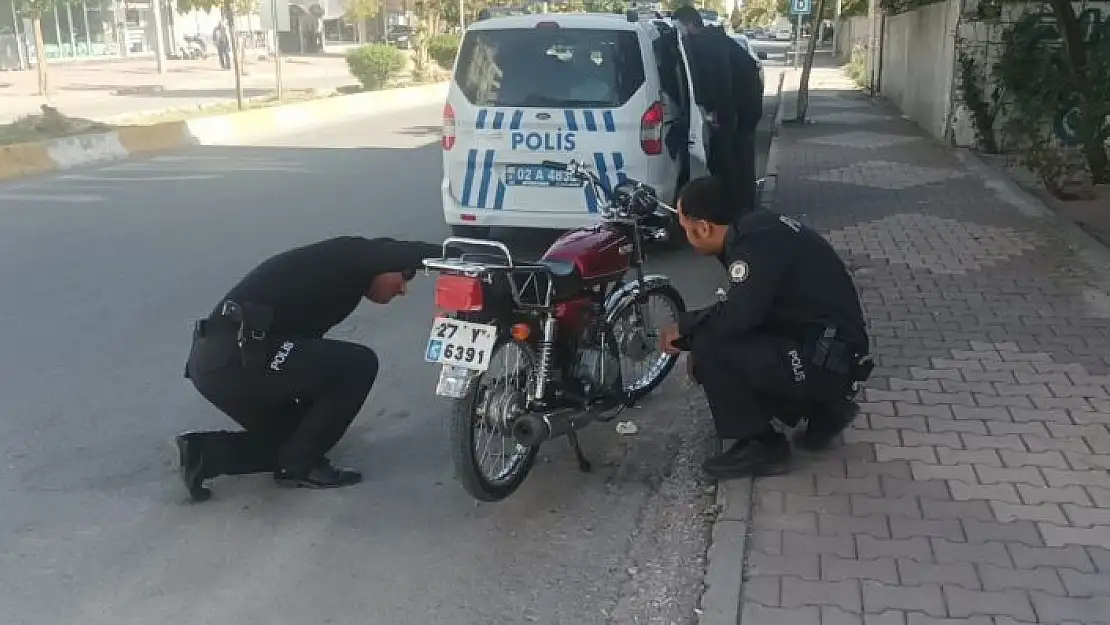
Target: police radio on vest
[[557, 141]]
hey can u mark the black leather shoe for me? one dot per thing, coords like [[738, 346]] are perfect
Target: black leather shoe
[[756, 458], [826, 424], [190, 466], [323, 475]]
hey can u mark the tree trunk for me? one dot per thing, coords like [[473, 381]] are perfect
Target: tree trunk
[[40, 56], [807, 64], [236, 68], [1076, 55]]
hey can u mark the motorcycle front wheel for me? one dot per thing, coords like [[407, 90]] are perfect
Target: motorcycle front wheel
[[485, 415]]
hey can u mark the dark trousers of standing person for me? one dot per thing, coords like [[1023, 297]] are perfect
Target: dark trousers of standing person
[[224, 51], [295, 398], [746, 162]]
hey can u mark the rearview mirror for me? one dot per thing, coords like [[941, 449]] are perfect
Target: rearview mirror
[[761, 55]]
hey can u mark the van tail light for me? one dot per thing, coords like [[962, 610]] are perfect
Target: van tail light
[[448, 140], [458, 293], [651, 129]]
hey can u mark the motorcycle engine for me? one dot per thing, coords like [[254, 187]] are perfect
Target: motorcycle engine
[[596, 369]]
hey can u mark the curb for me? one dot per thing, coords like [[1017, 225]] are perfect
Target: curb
[[28, 159], [771, 175], [722, 600]]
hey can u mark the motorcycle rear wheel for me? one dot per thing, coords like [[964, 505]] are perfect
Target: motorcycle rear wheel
[[663, 363], [488, 406]]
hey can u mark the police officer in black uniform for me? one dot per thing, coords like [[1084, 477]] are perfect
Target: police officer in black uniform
[[790, 340], [260, 357]]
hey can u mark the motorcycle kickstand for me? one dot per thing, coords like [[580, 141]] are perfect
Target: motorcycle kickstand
[[583, 464]]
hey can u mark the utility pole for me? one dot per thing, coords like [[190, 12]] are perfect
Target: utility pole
[[462, 16], [159, 36]]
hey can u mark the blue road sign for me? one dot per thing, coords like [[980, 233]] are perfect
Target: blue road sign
[[801, 7]]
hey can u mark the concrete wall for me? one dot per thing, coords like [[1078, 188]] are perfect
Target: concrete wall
[[849, 32], [918, 64]]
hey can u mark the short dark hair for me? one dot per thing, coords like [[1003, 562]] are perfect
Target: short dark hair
[[688, 15], [707, 198]]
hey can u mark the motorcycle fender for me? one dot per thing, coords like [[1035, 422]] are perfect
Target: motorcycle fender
[[629, 291], [455, 382]]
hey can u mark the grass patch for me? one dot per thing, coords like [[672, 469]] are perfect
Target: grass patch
[[50, 124]]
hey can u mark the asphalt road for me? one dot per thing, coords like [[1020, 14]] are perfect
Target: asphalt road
[[103, 271]]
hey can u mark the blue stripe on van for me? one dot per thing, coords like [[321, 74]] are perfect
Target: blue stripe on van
[[591, 123], [468, 179], [499, 197], [498, 120], [480, 123], [591, 199], [487, 173], [517, 116], [618, 164], [610, 123], [602, 171], [572, 124]]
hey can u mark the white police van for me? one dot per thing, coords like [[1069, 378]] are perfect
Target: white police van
[[590, 87]]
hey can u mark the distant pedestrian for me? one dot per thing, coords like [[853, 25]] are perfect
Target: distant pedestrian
[[223, 45]]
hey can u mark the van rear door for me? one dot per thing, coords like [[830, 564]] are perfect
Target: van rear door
[[521, 96]]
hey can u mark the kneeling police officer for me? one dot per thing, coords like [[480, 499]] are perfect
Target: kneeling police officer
[[790, 340], [260, 357]]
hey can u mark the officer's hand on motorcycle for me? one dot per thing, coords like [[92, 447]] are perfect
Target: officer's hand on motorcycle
[[666, 340]]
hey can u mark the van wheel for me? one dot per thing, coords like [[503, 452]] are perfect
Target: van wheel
[[471, 232]]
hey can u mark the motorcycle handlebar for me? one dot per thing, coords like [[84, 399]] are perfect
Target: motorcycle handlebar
[[642, 196]]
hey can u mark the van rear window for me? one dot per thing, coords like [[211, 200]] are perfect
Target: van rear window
[[550, 68]]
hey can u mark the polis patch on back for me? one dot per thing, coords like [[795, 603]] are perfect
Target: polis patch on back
[[558, 141]]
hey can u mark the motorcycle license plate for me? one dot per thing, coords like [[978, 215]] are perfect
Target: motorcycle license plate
[[460, 344]]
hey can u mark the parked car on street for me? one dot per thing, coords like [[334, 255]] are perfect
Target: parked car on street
[[399, 36]]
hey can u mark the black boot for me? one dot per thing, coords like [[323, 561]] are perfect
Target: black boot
[[825, 424], [321, 475], [752, 457], [191, 465]]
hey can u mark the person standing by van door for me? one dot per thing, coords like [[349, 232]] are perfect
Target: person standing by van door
[[747, 88], [711, 76]]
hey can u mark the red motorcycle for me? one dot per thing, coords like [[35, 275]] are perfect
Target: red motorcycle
[[531, 351]]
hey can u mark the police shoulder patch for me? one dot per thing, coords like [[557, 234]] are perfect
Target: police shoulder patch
[[738, 272]]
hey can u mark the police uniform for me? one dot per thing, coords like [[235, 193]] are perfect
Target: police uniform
[[260, 357], [788, 341]]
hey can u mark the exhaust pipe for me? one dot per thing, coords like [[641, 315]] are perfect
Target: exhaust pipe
[[533, 429]]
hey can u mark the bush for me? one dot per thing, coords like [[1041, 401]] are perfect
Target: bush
[[375, 64], [443, 48]]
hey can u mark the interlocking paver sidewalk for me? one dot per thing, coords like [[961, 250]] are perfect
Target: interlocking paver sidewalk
[[974, 488]]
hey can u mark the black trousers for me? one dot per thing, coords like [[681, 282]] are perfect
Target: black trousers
[[224, 53], [295, 398], [732, 158], [748, 382]]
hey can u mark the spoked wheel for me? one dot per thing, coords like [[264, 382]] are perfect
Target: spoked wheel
[[489, 463], [637, 326]]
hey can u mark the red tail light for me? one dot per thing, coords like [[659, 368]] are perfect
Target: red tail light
[[458, 293], [448, 140], [651, 129]]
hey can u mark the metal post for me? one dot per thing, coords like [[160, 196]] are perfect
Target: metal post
[[462, 16], [797, 40], [159, 36], [277, 48]]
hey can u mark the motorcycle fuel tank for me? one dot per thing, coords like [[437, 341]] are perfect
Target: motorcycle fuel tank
[[596, 252]]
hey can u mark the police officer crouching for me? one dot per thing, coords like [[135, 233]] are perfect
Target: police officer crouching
[[260, 357], [789, 342]]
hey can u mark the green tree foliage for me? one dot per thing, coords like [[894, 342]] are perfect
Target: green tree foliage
[[359, 11], [443, 48], [373, 65]]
